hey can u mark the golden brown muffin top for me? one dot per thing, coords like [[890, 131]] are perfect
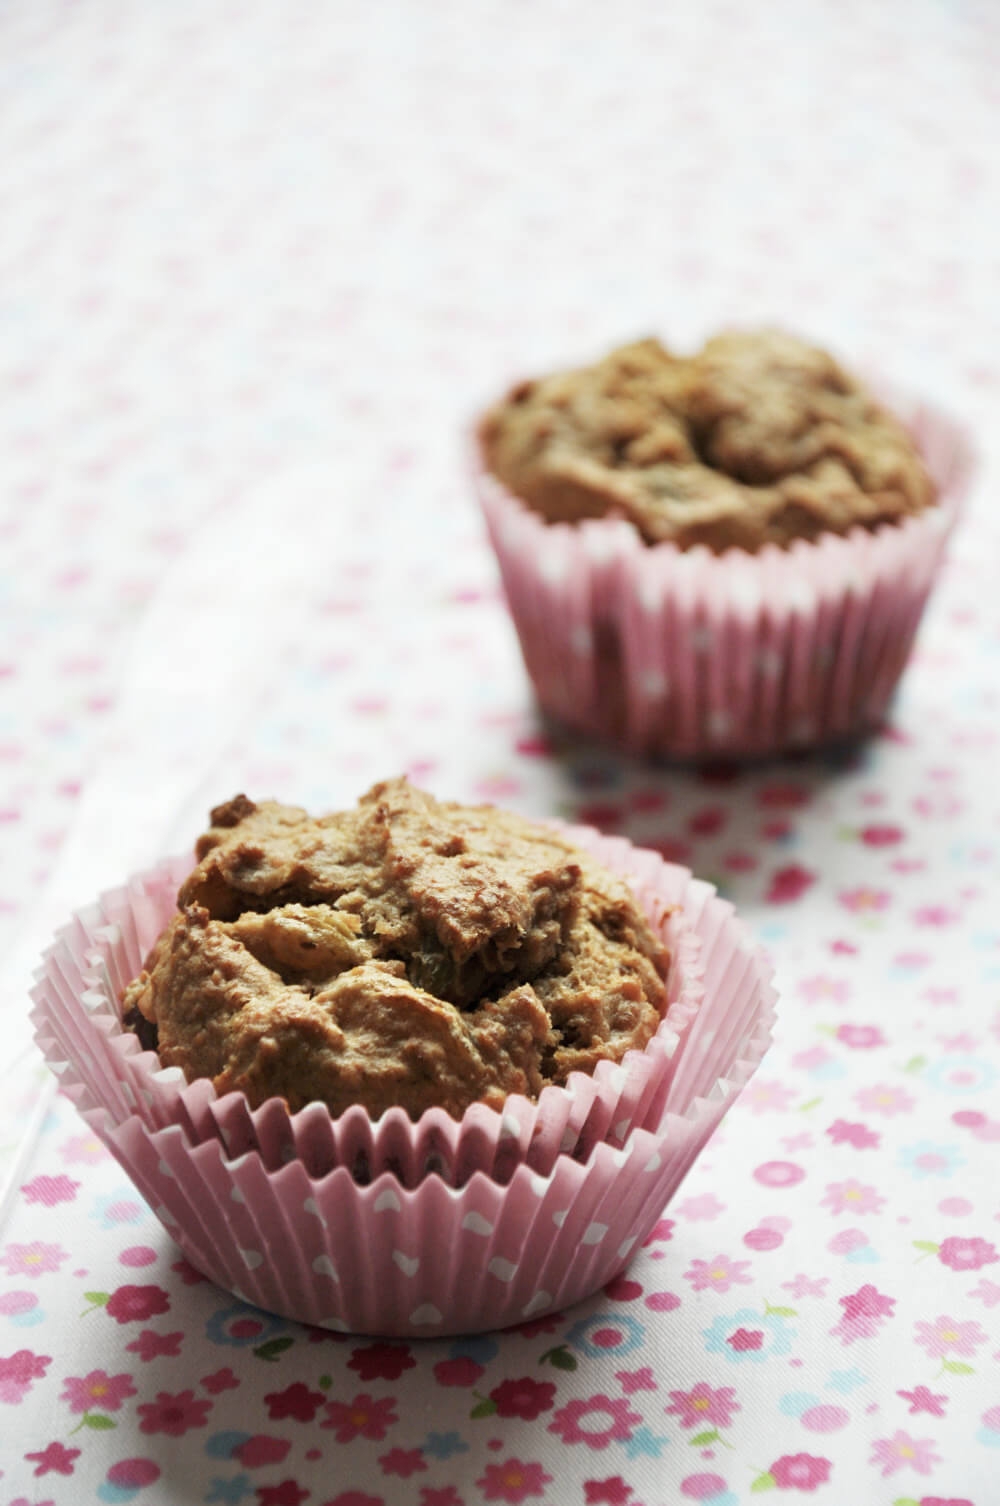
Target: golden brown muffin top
[[758, 439], [408, 952]]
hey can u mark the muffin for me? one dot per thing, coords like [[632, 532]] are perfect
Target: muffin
[[408, 953], [720, 554], [376, 1222]]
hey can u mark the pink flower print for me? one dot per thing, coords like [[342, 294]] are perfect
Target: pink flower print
[[50, 1190], [56, 1459], [151, 1345], [864, 901], [986, 1292], [219, 1381], [513, 1481], [717, 1275], [903, 1452], [613, 1492], [936, 994], [461, 1371], [134, 1304], [842, 1132], [861, 1037], [33, 1260], [174, 1414], [18, 1371], [864, 1312], [783, 796], [97, 1391], [597, 1421], [258, 1451], [286, 1493], [364, 1417], [806, 1286], [83, 1150], [381, 1361], [939, 806], [295, 1401], [742, 1339], [821, 989], [705, 1206], [945, 1334], [703, 1404], [812, 1058], [912, 960], [403, 1462], [799, 1472], [636, 1380], [966, 1254], [881, 836], [923, 1400], [789, 884], [846, 1241], [852, 1197], [524, 1398], [961, 1042], [935, 915], [762, 1096], [778, 1174], [885, 1099]]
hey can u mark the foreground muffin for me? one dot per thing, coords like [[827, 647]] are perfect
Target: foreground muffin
[[408, 953], [471, 1240], [720, 554]]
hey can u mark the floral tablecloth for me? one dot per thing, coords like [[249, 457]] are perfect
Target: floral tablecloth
[[236, 238]]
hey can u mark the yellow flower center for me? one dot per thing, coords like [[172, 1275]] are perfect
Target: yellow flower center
[[700, 1404], [852, 1193], [513, 1477], [359, 1419], [98, 1390], [950, 1335], [33, 1258], [719, 1274], [905, 1451]]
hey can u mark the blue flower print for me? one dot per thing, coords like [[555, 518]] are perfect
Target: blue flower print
[[602, 1334], [748, 1336]]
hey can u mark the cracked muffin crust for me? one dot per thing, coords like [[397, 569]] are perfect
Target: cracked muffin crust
[[408, 952], [758, 439]]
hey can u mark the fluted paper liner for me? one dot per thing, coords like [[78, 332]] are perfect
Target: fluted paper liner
[[78, 1013], [682, 653], [371, 1254]]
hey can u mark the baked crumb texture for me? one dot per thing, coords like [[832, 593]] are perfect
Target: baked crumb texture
[[406, 952], [758, 439]]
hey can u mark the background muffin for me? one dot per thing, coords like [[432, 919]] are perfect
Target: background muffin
[[722, 554]]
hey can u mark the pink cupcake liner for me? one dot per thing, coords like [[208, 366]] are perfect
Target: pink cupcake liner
[[682, 653], [399, 1250], [424, 1261], [78, 1021]]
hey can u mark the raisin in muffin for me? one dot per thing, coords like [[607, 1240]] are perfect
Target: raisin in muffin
[[408, 952]]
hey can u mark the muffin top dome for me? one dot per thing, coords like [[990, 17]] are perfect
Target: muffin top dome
[[408, 952], [758, 439]]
